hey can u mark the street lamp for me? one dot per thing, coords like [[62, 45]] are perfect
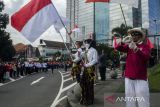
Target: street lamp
[[157, 48], [156, 25]]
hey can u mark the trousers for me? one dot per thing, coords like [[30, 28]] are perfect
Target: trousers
[[137, 89]]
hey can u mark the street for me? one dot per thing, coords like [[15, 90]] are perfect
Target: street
[[36, 90]]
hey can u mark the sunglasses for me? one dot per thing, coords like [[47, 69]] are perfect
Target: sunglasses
[[136, 34]]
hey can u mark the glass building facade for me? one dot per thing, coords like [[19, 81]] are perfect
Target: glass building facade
[[82, 14], [102, 22], [151, 16]]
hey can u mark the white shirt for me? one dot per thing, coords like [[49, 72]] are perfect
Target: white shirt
[[77, 55], [92, 57]]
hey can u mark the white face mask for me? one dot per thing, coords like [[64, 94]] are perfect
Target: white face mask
[[87, 46]]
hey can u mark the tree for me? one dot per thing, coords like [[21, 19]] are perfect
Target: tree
[[122, 30], [7, 50]]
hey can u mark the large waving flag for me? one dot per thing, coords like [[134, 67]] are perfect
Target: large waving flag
[[133, 3], [35, 18]]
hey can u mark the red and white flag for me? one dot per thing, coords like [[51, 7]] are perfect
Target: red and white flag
[[35, 18], [149, 43], [133, 3], [76, 29]]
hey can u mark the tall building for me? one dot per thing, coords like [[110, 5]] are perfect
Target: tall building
[[151, 16], [109, 16], [82, 14], [132, 15]]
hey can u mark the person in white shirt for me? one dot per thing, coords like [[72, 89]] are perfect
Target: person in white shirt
[[76, 67], [87, 80]]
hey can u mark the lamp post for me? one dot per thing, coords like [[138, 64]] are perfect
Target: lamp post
[[157, 48], [156, 25], [157, 39]]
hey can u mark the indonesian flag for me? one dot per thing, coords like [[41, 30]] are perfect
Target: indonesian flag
[[149, 43], [133, 3], [35, 18], [76, 29], [115, 42]]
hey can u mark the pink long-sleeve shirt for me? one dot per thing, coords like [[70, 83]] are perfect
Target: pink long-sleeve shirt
[[136, 62]]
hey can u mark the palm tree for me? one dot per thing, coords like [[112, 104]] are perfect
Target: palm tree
[[122, 30]]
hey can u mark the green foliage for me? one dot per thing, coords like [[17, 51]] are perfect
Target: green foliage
[[154, 78], [7, 50], [122, 30], [57, 53]]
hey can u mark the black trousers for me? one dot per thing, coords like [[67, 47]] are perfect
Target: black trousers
[[102, 71]]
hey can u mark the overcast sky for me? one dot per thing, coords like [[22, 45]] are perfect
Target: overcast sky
[[11, 6]]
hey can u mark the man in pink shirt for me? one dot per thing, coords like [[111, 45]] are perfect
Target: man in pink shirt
[[138, 53]]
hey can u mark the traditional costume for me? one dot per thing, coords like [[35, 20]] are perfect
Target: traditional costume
[[87, 80], [76, 67]]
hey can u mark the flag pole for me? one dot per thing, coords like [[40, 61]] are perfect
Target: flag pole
[[64, 26], [123, 14], [66, 31], [65, 44]]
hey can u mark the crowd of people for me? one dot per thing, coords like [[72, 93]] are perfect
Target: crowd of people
[[11, 70]]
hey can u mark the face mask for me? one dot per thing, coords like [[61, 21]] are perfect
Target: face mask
[[87, 46]]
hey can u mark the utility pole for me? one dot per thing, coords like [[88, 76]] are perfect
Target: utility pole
[[157, 48], [157, 39], [94, 21]]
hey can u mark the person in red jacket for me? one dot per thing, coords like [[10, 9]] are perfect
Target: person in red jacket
[[138, 54]]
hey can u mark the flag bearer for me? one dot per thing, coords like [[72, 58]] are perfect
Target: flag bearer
[[76, 68], [87, 80]]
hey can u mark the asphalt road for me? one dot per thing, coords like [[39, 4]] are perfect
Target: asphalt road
[[36, 90]]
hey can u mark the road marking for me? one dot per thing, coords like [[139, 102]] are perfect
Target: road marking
[[38, 80], [11, 81], [59, 93], [61, 99], [67, 79], [66, 75], [68, 87], [1, 84]]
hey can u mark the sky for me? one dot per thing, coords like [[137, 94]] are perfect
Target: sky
[[12, 6]]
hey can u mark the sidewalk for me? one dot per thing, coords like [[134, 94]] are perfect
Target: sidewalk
[[100, 89], [108, 86]]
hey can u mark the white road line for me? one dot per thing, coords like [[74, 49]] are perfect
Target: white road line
[[1, 84], [66, 75], [59, 93], [67, 79], [11, 81], [38, 80], [68, 87], [61, 99]]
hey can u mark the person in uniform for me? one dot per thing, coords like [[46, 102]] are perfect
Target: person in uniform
[[76, 68], [138, 53], [87, 79]]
